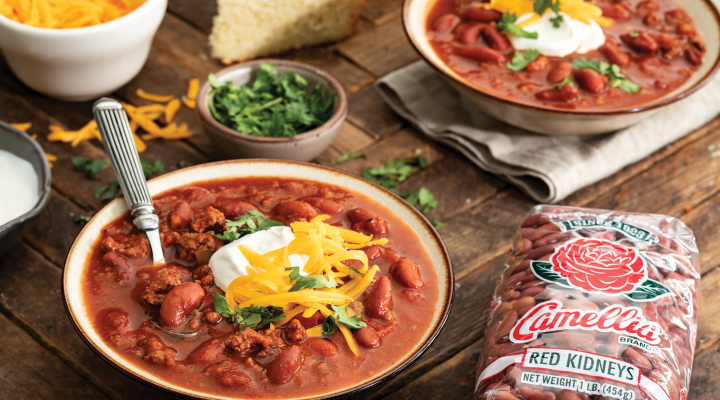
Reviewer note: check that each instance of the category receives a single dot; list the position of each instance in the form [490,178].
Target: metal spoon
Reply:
[118,140]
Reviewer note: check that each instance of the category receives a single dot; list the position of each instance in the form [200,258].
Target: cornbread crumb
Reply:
[245,29]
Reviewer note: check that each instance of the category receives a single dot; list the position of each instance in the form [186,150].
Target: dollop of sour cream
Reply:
[229,263]
[572,36]
[18,187]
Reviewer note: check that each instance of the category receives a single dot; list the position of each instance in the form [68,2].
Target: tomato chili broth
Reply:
[404,351]
[419,16]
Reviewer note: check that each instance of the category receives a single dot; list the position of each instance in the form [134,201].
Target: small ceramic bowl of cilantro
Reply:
[272,109]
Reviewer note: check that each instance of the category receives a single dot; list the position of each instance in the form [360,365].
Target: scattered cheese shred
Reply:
[315,331]
[268,283]
[51,159]
[158,98]
[171,110]
[66,14]
[580,10]
[189,103]
[193,88]
[22,126]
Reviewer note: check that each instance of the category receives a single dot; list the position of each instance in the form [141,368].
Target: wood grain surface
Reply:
[41,355]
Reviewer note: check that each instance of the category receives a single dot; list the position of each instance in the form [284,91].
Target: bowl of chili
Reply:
[221,348]
[294,112]
[635,57]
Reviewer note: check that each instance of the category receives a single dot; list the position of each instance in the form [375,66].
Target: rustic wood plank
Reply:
[349,139]
[56,230]
[30,290]
[29,371]
[704,221]
[380,50]
[381,11]
[708,327]
[198,13]
[705,384]
[370,112]
[592,192]
[350,76]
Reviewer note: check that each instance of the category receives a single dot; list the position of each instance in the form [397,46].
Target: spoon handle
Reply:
[120,146]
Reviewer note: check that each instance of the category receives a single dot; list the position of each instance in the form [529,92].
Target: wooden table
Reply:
[41,356]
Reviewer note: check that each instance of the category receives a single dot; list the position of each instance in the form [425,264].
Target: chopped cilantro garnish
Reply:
[541,6]
[521,60]
[421,197]
[437,224]
[181,164]
[272,105]
[390,175]
[634,34]
[507,23]
[566,81]
[245,225]
[89,167]
[556,20]
[341,317]
[149,169]
[617,78]
[248,317]
[82,219]
[312,282]
[348,156]
[106,193]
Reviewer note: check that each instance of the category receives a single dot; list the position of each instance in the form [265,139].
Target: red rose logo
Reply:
[599,265]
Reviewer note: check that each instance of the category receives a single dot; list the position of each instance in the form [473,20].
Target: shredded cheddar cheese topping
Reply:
[327,246]
[66,14]
[580,10]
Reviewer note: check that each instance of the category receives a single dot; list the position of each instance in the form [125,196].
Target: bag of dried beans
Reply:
[593,305]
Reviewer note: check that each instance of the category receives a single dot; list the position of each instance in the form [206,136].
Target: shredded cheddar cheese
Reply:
[51,159]
[327,246]
[580,10]
[22,126]
[66,14]
[158,98]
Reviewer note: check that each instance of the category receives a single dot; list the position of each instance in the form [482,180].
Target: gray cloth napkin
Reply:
[546,168]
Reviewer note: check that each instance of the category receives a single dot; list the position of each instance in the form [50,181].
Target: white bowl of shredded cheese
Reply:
[79,64]
[25,184]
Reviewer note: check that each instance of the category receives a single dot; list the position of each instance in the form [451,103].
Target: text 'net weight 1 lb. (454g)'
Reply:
[593,305]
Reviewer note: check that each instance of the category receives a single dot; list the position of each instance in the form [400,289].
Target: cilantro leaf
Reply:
[245,225]
[426,199]
[341,317]
[566,81]
[221,305]
[82,219]
[248,317]
[295,274]
[422,162]
[106,193]
[312,282]
[348,156]
[437,224]
[507,23]
[328,327]
[540,6]
[89,167]
[357,271]
[521,60]
[617,78]
[149,169]
[556,20]
[634,34]
[272,105]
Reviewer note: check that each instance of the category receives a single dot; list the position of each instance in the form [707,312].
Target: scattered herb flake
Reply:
[566,81]
[248,317]
[521,60]
[181,164]
[106,193]
[149,169]
[634,34]
[312,282]
[348,156]
[89,167]
[437,224]
[341,317]
[507,23]
[617,78]
[245,225]
[82,219]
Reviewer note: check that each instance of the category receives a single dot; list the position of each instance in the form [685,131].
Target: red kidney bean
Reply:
[181,216]
[367,337]
[207,352]
[502,395]
[285,366]
[379,303]
[483,14]
[235,208]
[495,39]
[539,64]
[590,80]
[646,7]
[693,55]
[567,395]
[532,291]
[617,12]
[677,16]
[120,263]
[537,219]
[180,303]
[541,232]
[482,54]
[323,347]
[360,215]
[446,23]
[524,246]
[313,320]
[471,34]
[292,210]
[565,94]
[641,42]
[576,340]
[685,29]
[637,359]
[560,72]
[653,20]
[324,205]
[614,54]
[407,273]
[580,305]
[523,302]
[536,253]
[507,324]
[373,252]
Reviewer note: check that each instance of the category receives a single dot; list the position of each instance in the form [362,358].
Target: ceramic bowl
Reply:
[303,147]
[23,146]
[566,122]
[83,63]
[73,288]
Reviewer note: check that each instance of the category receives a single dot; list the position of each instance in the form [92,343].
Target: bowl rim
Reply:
[575,113]
[144,8]
[338,115]
[46,178]
[435,329]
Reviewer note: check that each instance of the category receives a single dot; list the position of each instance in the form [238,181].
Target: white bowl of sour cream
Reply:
[25,184]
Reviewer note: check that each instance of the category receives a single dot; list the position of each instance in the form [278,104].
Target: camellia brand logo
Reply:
[600,266]
[550,316]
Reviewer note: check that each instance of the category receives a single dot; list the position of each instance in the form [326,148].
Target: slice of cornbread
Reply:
[245,29]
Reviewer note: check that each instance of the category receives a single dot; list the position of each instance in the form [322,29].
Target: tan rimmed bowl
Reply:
[74,289]
[566,122]
[303,147]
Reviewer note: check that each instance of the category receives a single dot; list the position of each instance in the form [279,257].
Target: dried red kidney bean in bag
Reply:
[593,305]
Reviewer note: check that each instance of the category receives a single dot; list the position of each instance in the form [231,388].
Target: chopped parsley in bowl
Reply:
[273,105]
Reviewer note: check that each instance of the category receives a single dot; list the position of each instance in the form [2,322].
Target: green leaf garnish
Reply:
[437,224]
[295,274]
[634,34]
[245,225]
[617,78]
[221,305]
[507,23]
[521,60]
[556,21]
[89,167]
[566,81]
[272,106]
[248,317]
[348,156]
[106,193]
[312,282]
[341,317]
[426,199]
[541,6]
[149,169]
[82,219]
